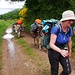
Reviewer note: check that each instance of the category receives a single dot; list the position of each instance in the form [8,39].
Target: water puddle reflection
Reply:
[8,36]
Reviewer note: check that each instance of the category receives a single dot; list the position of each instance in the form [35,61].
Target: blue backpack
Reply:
[47,26]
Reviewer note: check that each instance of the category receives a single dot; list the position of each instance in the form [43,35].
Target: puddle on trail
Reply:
[8,36]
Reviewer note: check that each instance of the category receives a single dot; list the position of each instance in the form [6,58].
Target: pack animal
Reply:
[36,33]
[17,29]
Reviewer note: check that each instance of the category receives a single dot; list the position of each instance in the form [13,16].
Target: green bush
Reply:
[73,43]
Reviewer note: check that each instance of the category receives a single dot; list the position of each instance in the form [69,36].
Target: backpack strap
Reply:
[59,26]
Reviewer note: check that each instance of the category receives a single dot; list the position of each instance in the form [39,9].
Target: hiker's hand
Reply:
[64,53]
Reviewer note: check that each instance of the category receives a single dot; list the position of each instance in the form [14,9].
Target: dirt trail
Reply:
[17,62]
[13,64]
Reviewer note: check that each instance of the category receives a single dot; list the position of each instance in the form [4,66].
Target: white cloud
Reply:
[6,6]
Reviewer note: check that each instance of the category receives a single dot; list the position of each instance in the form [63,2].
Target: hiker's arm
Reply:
[70,46]
[53,37]
[52,43]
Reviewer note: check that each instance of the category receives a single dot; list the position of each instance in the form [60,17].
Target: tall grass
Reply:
[3,26]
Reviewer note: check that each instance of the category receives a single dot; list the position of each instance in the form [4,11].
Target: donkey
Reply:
[17,29]
[37,37]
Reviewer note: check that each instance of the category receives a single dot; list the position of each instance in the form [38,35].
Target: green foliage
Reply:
[17,0]
[73,43]
[27,26]
[11,15]
[47,9]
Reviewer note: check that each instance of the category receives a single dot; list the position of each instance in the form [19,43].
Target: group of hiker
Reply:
[59,41]
[56,37]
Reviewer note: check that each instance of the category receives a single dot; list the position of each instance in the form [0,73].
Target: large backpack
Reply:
[48,24]
[35,29]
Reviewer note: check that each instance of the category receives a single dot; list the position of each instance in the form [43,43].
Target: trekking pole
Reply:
[67,63]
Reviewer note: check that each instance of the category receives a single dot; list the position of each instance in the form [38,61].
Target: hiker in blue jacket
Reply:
[61,36]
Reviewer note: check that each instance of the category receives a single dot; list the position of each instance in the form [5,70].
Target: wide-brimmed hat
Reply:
[68,15]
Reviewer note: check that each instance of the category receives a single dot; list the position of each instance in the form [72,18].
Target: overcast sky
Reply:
[6,6]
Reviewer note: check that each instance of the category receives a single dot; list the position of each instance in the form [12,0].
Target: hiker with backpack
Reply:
[59,38]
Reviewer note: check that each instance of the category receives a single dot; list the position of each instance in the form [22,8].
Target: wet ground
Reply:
[13,63]
[16,61]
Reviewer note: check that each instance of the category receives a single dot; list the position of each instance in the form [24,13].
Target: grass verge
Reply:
[3,26]
[26,47]
[35,58]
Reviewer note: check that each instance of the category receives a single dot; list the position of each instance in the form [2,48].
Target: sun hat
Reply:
[68,15]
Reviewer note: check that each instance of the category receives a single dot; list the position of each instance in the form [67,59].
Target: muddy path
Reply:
[13,61]
[17,62]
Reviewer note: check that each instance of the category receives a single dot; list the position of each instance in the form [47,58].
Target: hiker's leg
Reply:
[54,61]
[66,66]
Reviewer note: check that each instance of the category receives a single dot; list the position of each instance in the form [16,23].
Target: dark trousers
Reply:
[54,59]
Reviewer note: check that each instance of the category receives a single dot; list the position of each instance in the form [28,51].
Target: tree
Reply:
[17,0]
[46,9]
